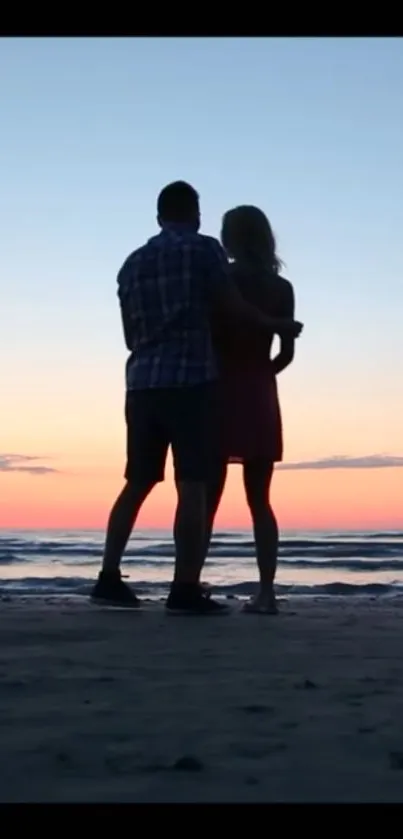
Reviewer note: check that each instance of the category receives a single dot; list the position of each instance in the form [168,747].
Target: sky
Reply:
[308,129]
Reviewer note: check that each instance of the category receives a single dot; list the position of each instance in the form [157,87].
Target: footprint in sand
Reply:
[396,760]
[307,684]
[256,709]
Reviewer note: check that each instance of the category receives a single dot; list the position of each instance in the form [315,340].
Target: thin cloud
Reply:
[24,463]
[29,463]
[371,461]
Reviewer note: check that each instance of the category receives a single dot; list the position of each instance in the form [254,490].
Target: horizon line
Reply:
[227,528]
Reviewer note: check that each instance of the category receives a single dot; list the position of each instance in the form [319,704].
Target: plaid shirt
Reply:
[164,289]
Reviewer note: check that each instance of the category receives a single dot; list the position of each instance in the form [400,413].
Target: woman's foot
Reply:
[263,604]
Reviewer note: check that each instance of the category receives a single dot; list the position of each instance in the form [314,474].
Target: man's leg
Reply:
[192,422]
[146,454]
[121,521]
[215,489]
[190,531]
[188,542]
[110,586]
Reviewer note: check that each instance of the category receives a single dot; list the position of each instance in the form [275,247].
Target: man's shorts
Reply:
[184,418]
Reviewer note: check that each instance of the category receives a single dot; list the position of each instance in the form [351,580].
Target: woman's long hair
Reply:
[248,238]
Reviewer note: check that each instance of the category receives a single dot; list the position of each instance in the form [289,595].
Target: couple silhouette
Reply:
[199,320]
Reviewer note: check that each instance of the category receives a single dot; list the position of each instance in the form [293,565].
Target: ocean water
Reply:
[314,563]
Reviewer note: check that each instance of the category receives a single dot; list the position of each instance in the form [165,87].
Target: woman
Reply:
[251,430]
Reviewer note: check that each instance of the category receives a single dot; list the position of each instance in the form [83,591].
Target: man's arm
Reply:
[287,342]
[225,297]
[126,323]
[123,281]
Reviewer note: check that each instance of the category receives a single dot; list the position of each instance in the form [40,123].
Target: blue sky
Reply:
[308,129]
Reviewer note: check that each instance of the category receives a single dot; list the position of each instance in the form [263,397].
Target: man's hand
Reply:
[287,338]
[225,297]
[289,328]
[228,299]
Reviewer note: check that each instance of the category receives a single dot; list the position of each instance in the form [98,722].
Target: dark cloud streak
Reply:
[371,461]
[22,463]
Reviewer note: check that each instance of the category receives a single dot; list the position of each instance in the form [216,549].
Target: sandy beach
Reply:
[105,705]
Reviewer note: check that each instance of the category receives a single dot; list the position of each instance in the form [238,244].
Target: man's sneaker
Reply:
[110,590]
[193,600]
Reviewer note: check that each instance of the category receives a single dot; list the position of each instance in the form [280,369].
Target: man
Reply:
[167,289]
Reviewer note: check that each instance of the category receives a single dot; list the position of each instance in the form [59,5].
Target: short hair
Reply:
[177,201]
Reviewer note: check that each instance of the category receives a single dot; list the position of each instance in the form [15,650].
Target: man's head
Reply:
[178,203]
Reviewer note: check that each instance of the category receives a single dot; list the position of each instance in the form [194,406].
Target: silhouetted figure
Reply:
[251,430]
[167,290]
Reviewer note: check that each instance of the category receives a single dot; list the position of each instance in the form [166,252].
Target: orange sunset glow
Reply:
[86,448]
[304,500]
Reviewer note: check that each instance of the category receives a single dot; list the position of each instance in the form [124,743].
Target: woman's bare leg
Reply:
[257,477]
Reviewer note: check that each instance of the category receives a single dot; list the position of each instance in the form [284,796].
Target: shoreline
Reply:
[99,704]
[76,591]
